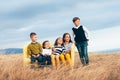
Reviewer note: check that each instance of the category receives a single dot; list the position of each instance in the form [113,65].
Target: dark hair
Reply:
[32,34]
[55,44]
[43,44]
[75,19]
[70,41]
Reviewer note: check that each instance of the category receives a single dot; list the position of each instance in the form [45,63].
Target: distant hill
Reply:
[20,50]
[11,51]
[110,50]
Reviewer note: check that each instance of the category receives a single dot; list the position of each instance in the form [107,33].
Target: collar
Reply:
[33,42]
[76,27]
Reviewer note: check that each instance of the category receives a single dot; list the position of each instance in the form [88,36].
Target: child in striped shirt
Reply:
[58,49]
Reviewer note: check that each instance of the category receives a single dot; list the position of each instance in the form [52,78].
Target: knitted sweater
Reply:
[34,48]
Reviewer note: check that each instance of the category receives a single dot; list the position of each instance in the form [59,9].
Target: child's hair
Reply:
[75,19]
[44,44]
[70,41]
[55,44]
[32,34]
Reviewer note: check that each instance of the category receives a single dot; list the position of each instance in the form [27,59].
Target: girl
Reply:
[58,50]
[68,44]
[47,51]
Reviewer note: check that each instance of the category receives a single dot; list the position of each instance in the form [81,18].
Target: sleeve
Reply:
[43,51]
[40,48]
[50,52]
[73,35]
[87,32]
[63,49]
[28,51]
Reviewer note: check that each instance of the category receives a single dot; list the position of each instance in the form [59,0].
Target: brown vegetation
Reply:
[102,67]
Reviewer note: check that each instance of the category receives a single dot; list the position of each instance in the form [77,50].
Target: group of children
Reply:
[46,54]
[60,52]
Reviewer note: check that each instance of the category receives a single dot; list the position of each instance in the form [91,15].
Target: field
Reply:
[102,67]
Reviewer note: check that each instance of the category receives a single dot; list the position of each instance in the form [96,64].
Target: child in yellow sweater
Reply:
[34,49]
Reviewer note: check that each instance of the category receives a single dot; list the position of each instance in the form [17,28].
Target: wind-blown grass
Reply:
[102,67]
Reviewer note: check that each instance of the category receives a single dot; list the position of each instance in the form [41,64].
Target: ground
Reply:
[102,67]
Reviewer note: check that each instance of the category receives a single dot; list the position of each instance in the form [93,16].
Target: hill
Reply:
[102,67]
[11,51]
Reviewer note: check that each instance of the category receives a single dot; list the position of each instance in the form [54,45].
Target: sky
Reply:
[51,19]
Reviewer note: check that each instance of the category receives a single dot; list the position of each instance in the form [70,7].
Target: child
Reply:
[34,49]
[81,34]
[47,51]
[57,51]
[67,44]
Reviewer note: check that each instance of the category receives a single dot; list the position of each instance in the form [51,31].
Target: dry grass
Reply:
[102,67]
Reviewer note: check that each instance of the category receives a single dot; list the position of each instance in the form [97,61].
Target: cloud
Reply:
[105,39]
[51,18]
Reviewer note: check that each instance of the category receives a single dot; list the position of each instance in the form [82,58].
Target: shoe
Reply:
[41,66]
[87,64]
[32,66]
[83,61]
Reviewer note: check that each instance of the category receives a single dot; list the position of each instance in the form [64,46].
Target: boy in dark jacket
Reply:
[81,37]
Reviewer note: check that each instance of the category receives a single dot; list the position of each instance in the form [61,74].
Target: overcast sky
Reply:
[51,18]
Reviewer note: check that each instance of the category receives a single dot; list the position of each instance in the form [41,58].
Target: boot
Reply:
[83,61]
[87,62]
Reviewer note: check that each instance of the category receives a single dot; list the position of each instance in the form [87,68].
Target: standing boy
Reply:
[34,49]
[81,34]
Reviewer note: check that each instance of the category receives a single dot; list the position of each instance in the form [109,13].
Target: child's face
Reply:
[60,41]
[77,23]
[47,45]
[67,38]
[34,38]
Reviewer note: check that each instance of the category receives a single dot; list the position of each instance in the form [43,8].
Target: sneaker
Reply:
[41,66]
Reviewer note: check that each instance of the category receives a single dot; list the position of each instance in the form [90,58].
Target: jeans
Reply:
[39,59]
[46,59]
[83,53]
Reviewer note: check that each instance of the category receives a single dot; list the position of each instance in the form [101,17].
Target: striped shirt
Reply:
[59,49]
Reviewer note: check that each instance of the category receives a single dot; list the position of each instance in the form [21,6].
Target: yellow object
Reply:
[55,60]
[68,58]
[72,53]
[62,58]
[34,48]
[26,57]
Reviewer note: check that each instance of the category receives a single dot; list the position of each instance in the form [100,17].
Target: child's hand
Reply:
[54,49]
[53,52]
[45,54]
[74,43]
[87,43]
[64,53]
[34,55]
[67,51]
[37,55]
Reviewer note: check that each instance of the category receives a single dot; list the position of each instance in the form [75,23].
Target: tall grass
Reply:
[102,67]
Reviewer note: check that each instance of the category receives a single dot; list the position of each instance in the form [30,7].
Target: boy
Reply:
[81,34]
[34,49]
